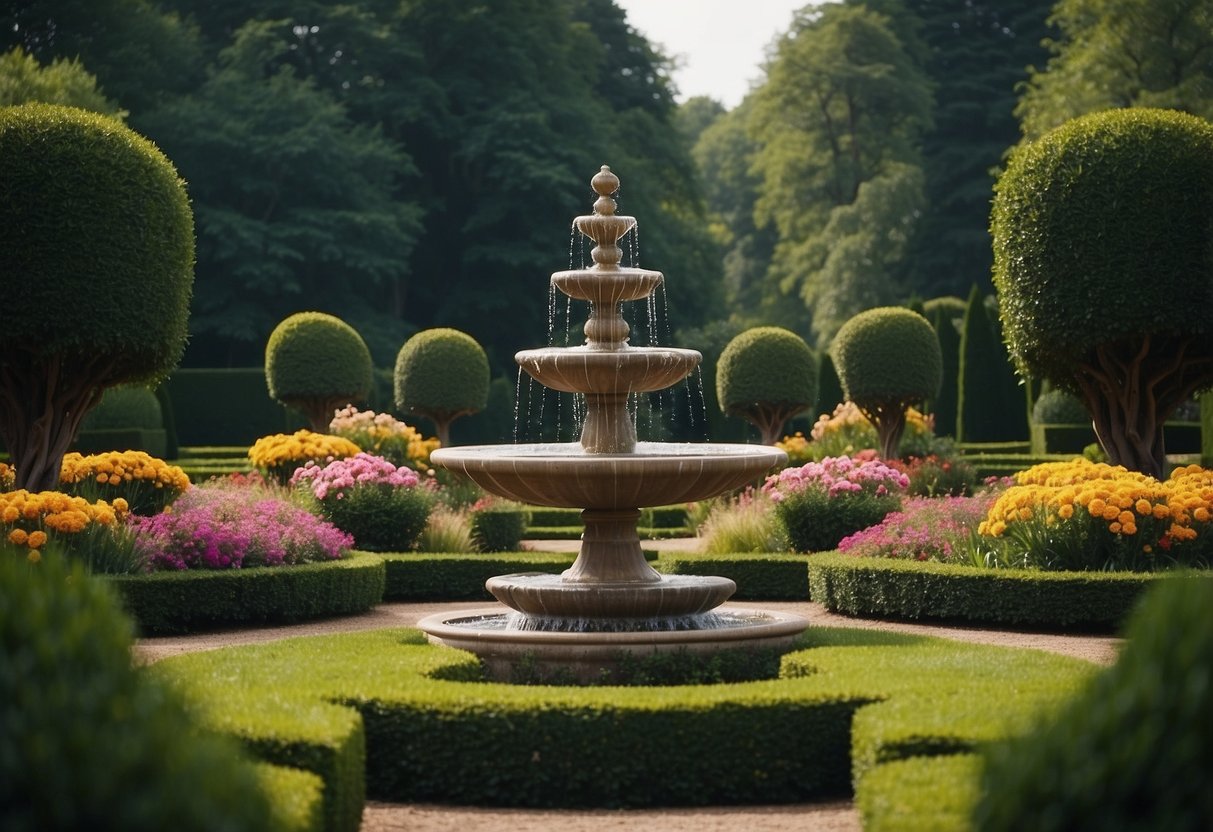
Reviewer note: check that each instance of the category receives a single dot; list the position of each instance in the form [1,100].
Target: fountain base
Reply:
[585,656]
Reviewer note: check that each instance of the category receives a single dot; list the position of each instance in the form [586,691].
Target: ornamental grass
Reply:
[1083,515]
[279,455]
[91,532]
[744,524]
[384,435]
[146,483]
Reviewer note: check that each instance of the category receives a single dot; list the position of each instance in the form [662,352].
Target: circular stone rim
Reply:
[783,624]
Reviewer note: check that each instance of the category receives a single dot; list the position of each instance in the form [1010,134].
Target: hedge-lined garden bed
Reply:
[435,734]
[890,588]
[171,602]
[759,577]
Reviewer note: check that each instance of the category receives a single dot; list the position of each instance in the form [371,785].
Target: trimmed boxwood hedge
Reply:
[164,603]
[296,797]
[759,577]
[880,587]
[434,733]
[920,794]
[425,576]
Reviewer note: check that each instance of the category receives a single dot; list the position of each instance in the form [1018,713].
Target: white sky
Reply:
[721,43]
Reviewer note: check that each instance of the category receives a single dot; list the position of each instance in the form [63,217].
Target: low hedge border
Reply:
[891,588]
[921,794]
[435,734]
[759,577]
[168,603]
[534,532]
[296,797]
[423,576]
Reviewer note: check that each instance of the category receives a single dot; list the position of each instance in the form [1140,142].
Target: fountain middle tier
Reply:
[588,369]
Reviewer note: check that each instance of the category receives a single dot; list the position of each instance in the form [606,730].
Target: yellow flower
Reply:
[1143,507]
[34,556]
[18,537]
[36,539]
[1065,511]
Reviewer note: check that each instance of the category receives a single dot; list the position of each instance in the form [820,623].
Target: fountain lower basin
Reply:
[585,655]
[561,474]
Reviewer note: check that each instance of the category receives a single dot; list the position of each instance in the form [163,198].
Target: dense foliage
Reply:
[400,165]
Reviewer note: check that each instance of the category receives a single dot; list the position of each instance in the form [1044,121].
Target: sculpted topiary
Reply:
[442,374]
[766,375]
[125,406]
[96,271]
[1103,262]
[317,364]
[888,359]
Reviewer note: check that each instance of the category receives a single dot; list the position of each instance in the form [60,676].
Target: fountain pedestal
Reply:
[610,601]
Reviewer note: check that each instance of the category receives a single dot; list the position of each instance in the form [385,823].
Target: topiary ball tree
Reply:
[442,374]
[317,364]
[888,359]
[1103,263]
[766,375]
[96,271]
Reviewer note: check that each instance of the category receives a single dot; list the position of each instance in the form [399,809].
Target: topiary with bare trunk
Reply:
[1103,262]
[441,374]
[317,364]
[888,359]
[96,271]
[766,375]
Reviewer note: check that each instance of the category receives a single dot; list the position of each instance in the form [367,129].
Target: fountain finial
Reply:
[606,184]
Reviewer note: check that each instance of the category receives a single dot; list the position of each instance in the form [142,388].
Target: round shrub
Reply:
[1103,250]
[499,527]
[887,359]
[1134,751]
[94,213]
[820,503]
[441,374]
[317,363]
[86,740]
[385,508]
[1057,407]
[125,407]
[766,375]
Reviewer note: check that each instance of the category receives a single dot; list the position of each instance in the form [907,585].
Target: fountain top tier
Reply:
[606,369]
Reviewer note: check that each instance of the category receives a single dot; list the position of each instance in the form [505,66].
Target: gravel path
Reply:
[826,817]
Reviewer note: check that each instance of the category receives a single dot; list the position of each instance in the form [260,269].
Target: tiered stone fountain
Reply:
[610,601]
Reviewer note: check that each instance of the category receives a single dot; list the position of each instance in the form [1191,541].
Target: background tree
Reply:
[66,82]
[96,265]
[1103,256]
[317,364]
[1122,53]
[766,375]
[839,121]
[441,374]
[947,321]
[888,360]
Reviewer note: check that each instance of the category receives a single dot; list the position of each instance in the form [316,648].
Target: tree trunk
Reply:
[42,402]
[889,419]
[1131,389]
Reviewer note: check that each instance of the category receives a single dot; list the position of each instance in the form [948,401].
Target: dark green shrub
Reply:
[1102,254]
[317,363]
[499,528]
[124,406]
[96,268]
[766,375]
[1057,407]
[946,321]
[815,522]
[442,374]
[86,740]
[382,518]
[1135,750]
[991,405]
[887,359]
[226,406]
